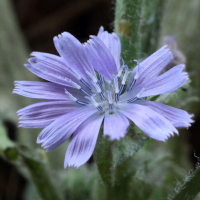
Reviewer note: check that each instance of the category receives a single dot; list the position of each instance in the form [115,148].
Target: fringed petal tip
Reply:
[17,83]
[64,35]
[20,125]
[164,50]
[16,87]
[166,137]
[92,41]
[60,36]
[89,41]
[164,47]
[14,91]
[168,51]
[42,143]
[38,141]
[36,53]
[71,165]
[187,123]
[101,30]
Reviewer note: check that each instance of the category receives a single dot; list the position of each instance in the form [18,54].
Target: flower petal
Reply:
[83,141]
[72,51]
[165,83]
[134,92]
[152,66]
[115,125]
[149,121]
[178,117]
[61,129]
[52,68]
[112,42]
[49,75]
[45,90]
[100,58]
[41,114]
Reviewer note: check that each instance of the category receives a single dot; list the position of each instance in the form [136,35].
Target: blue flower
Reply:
[87,85]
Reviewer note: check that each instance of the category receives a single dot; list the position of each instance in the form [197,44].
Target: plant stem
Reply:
[151,24]
[191,187]
[127,25]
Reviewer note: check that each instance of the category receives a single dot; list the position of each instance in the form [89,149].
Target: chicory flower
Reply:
[87,87]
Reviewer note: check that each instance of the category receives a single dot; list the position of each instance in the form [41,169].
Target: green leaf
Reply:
[4,141]
[190,188]
[127,146]
[21,156]
[103,157]
[109,154]
[41,178]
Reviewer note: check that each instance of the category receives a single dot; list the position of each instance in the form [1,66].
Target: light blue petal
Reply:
[178,117]
[72,51]
[100,58]
[149,121]
[49,75]
[83,141]
[62,128]
[115,125]
[166,83]
[152,66]
[51,67]
[41,114]
[112,42]
[45,90]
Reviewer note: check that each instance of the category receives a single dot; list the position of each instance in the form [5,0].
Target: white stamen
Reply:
[79,88]
[94,79]
[94,103]
[125,77]
[75,84]
[123,81]
[75,99]
[98,89]
[135,77]
[140,92]
[107,84]
[109,97]
[85,84]
[110,100]
[85,92]
[70,96]
[75,74]
[121,69]
[101,79]
[138,64]
[136,97]
[82,102]
[100,85]
[119,72]
[116,85]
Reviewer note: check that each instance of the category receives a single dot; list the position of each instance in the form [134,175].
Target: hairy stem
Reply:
[127,25]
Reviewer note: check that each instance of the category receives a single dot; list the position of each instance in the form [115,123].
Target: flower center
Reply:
[105,94]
